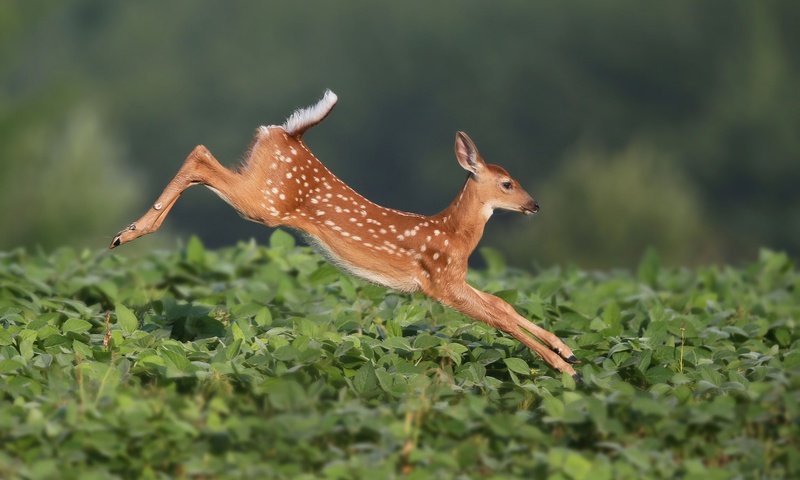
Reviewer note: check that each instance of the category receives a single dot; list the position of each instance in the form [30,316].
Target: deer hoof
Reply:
[578,378]
[571,359]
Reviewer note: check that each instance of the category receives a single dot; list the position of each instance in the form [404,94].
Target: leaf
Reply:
[495,263]
[658,375]
[75,325]
[620,347]
[365,380]
[649,267]
[325,274]
[175,359]
[783,336]
[399,343]
[425,341]
[571,463]
[577,467]
[553,407]
[195,252]
[792,360]
[233,349]
[8,366]
[26,339]
[5,337]
[517,365]
[612,319]
[237,332]
[509,295]
[82,349]
[549,288]
[109,289]
[385,379]
[153,360]
[567,381]
[281,240]
[126,319]
[453,351]
[264,317]
[644,360]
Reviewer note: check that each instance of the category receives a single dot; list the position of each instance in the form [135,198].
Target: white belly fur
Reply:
[401,284]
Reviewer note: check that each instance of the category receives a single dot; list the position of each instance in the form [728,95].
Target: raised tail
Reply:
[304,118]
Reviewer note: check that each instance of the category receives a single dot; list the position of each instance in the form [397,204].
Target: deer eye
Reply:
[507,185]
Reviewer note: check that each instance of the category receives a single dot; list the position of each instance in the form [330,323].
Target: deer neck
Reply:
[467,215]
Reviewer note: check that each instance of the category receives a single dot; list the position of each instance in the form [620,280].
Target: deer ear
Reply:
[467,154]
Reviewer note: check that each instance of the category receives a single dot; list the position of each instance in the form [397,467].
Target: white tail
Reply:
[305,118]
[282,183]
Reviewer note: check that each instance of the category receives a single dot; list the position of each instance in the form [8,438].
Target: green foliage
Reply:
[264,362]
[64,179]
[604,210]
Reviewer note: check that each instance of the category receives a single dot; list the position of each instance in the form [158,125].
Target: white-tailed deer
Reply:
[282,183]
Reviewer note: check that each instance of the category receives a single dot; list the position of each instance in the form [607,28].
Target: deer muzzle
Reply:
[530,208]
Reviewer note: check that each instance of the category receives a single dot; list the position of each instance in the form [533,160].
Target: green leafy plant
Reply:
[265,362]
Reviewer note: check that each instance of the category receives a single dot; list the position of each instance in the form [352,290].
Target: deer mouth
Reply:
[530,208]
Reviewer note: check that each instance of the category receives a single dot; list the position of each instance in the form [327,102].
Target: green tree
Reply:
[64,182]
[605,209]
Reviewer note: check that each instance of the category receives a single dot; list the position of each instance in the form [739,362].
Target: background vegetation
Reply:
[671,124]
[256,362]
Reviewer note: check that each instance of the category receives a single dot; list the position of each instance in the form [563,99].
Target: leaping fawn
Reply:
[282,183]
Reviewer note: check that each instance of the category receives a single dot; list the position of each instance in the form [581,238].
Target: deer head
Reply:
[493,185]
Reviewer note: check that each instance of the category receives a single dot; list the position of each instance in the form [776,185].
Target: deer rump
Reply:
[299,192]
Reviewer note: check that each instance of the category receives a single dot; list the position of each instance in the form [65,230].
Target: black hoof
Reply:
[571,359]
[578,378]
[115,243]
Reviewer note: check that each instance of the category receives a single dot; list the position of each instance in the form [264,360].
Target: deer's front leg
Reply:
[499,314]
[200,167]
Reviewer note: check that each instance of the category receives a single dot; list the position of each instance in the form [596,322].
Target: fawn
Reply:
[281,182]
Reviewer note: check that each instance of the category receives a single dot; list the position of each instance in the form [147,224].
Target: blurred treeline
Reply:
[671,124]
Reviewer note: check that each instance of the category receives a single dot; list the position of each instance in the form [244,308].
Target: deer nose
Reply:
[531,207]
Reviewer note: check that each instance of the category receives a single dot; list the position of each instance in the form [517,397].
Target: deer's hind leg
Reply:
[200,167]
